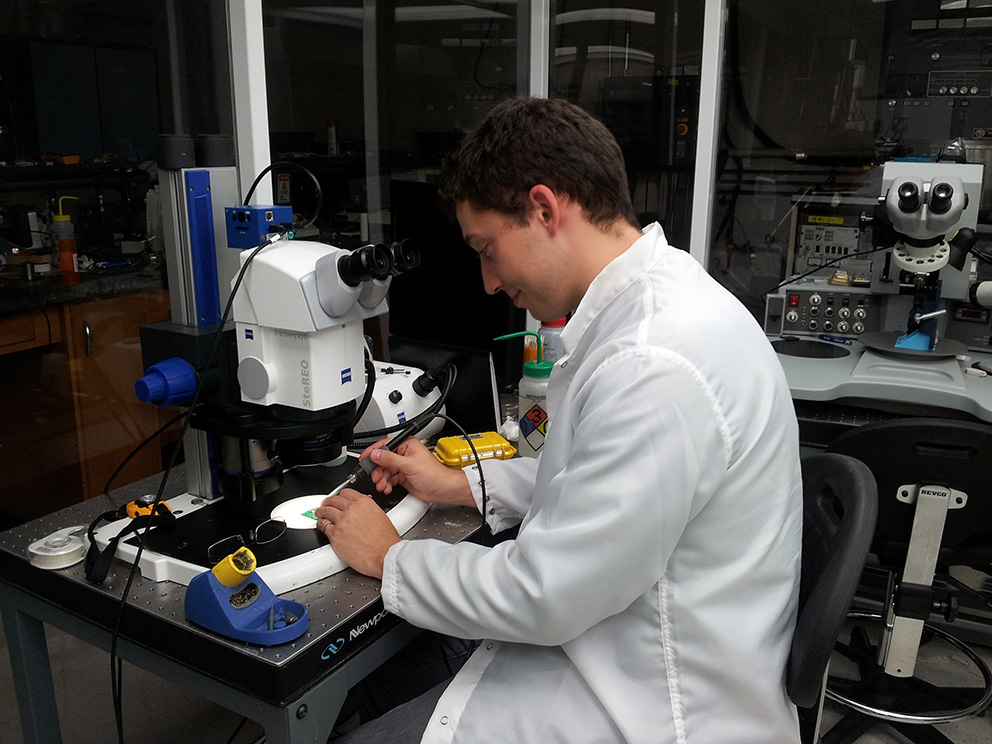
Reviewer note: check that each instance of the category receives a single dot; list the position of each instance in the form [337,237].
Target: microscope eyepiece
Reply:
[372,261]
[406,256]
[909,197]
[940,197]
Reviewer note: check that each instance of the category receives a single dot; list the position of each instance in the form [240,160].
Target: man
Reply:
[650,593]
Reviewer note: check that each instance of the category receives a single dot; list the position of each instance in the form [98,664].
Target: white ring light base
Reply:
[282,576]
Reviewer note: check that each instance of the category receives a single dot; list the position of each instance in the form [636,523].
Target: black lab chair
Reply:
[934,480]
[839,508]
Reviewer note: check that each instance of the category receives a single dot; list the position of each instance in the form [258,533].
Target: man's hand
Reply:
[415,468]
[359,530]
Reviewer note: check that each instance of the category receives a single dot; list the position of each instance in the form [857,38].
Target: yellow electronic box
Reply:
[455,452]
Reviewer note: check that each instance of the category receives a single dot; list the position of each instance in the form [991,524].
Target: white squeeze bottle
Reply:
[551,339]
[532,408]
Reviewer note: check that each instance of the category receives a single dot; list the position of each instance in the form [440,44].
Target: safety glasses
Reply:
[268,531]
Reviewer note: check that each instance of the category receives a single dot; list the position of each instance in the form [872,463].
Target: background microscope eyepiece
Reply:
[909,197]
[940,198]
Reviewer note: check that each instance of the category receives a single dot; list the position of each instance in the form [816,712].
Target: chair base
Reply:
[854,725]
[908,704]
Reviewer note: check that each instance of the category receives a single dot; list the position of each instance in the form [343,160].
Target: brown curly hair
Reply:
[528,141]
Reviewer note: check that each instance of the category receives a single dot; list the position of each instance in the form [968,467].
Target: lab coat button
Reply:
[444,720]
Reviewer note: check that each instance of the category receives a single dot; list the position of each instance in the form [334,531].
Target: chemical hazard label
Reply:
[534,427]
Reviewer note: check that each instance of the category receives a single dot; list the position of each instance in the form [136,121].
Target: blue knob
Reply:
[171,382]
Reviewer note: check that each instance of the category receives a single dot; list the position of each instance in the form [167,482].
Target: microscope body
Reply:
[922,210]
[291,350]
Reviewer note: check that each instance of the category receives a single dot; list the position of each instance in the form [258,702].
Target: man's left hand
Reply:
[359,530]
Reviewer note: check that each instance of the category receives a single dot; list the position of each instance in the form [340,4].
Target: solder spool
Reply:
[61,549]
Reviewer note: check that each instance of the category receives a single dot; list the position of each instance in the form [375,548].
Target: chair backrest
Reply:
[839,509]
[928,451]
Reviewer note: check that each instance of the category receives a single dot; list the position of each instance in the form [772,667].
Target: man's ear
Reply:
[545,207]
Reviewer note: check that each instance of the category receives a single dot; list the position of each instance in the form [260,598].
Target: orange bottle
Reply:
[65,234]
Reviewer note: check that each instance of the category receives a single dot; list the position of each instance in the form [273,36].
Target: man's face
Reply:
[518,260]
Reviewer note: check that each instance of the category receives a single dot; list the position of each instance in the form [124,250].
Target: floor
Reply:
[939,664]
[157,711]
[154,710]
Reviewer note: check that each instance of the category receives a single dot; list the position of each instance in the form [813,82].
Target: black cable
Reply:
[733,58]
[138,448]
[478,463]
[290,164]
[967,589]
[981,256]
[482,49]
[116,668]
[735,194]
[15,246]
[369,389]
[237,730]
[451,374]
[831,262]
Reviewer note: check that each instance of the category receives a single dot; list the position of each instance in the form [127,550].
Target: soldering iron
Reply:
[366,466]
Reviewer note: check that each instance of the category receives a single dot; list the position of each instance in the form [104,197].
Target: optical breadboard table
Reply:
[914,384]
[294,690]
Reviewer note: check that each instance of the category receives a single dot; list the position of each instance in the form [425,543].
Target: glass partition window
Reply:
[637,67]
[816,99]
[370,97]
[360,92]
[85,90]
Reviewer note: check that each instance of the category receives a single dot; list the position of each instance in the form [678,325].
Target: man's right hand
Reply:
[415,468]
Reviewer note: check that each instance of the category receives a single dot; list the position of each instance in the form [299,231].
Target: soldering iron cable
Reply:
[451,374]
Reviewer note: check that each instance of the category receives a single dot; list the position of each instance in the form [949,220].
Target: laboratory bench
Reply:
[294,689]
[837,386]
[127,274]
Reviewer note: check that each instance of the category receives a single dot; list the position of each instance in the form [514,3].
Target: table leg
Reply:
[32,672]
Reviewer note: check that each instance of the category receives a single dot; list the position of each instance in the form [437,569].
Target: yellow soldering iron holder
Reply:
[233,601]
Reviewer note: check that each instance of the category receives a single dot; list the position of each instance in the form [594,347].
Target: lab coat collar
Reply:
[618,275]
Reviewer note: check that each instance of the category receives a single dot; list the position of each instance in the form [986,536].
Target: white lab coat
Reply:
[651,592]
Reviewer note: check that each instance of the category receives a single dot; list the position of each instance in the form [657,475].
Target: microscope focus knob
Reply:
[171,382]
[940,198]
[909,197]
